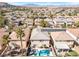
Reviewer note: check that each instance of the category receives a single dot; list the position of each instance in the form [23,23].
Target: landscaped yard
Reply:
[72,53]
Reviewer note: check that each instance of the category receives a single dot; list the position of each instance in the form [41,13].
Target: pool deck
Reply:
[53,53]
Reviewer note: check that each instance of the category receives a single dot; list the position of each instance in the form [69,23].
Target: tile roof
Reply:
[13,36]
[2,32]
[62,35]
[74,31]
[38,35]
[19,43]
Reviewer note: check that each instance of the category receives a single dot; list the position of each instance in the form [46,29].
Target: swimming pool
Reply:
[42,53]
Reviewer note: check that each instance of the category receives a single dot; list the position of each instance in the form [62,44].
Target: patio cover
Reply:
[61,45]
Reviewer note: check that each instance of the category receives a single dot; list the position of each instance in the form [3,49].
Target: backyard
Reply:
[72,53]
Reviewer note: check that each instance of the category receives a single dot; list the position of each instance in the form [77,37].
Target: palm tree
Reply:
[20,34]
[1,21]
[74,43]
[5,40]
[50,15]
[32,17]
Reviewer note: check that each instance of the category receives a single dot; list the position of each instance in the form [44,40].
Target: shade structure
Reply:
[61,45]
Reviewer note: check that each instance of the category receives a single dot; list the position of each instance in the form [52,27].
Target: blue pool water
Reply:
[42,53]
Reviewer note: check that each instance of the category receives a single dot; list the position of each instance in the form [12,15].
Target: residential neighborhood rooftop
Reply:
[38,35]
[74,31]
[39,30]
[61,36]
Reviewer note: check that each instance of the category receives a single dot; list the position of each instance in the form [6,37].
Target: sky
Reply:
[45,3]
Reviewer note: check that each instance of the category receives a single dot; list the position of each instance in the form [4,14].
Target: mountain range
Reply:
[4,4]
[59,4]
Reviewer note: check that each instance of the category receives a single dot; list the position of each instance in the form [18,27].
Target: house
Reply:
[39,38]
[37,21]
[14,40]
[50,22]
[25,40]
[15,43]
[62,36]
[62,20]
[29,22]
[62,41]
[74,32]
[61,48]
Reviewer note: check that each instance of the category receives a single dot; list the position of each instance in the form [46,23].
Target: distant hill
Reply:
[31,4]
[6,5]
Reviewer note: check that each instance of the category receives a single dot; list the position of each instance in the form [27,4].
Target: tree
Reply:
[64,25]
[43,23]
[77,24]
[20,34]
[6,22]
[50,15]
[32,17]
[20,23]
[10,26]
[69,14]
[1,21]
[72,13]
[5,40]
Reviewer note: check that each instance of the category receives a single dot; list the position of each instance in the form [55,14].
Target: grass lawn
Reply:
[72,53]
